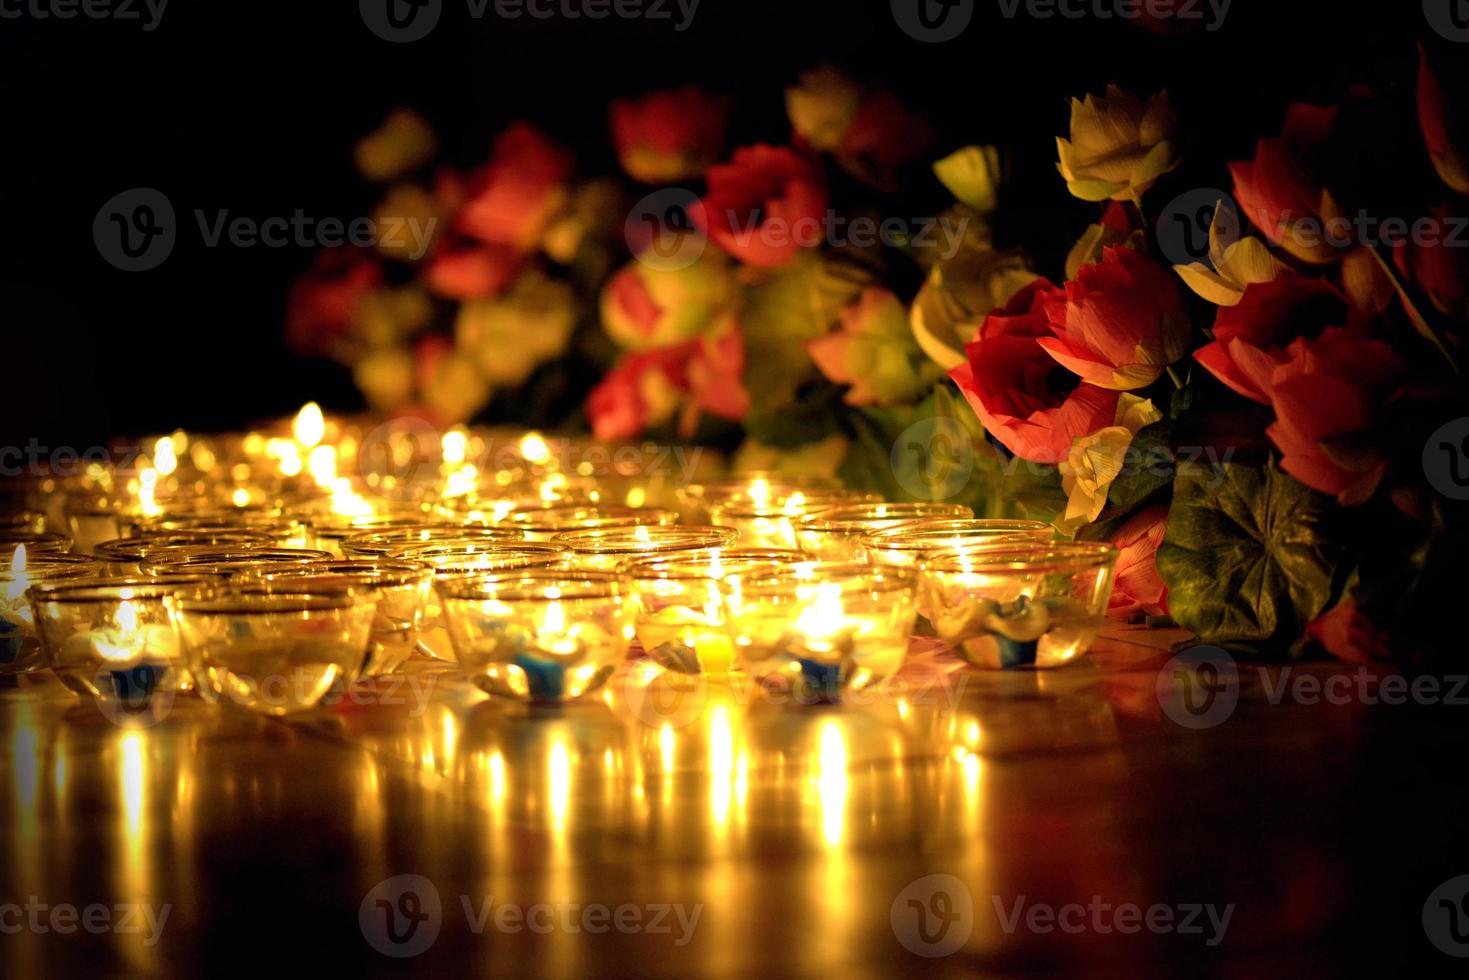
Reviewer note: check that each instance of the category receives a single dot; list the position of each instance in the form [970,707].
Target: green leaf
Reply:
[1032,491]
[1251,556]
[813,416]
[1149,467]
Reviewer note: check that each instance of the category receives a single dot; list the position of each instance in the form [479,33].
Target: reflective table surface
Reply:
[1130,815]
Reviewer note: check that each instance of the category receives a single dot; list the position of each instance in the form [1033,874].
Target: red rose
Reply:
[1349,635]
[1119,323]
[640,391]
[1436,262]
[668,136]
[1015,388]
[1250,338]
[321,303]
[1444,129]
[512,199]
[763,206]
[1278,191]
[472,270]
[1324,394]
[883,138]
[1138,587]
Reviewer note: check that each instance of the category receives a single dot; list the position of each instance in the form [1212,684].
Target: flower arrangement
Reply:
[1261,426]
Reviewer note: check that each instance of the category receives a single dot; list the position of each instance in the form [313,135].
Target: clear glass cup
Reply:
[275,653]
[771,523]
[678,613]
[541,635]
[115,640]
[1015,606]
[606,548]
[547,522]
[377,544]
[284,532]
[403,587]
[907,547]
[36,542]
[91,519]
[835,533]
[818,630]
[696,499]
[466,559]
[226,562]
[20,649]
[124,556]
[328,531]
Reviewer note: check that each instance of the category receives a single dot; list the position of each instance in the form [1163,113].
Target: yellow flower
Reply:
[822,106]
[385,378]
[1119,145]
[957,297]
[404,142]
[972,175]
[1236,264]
[407,220]
[1096,460]
[510,336]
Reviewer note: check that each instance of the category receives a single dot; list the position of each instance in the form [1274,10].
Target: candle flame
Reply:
[165,459]
[19,580]
[822,619]
[454,443]
[554,621]
[533,448]
[322,464]
[760,491]
[310,425]
[18,560]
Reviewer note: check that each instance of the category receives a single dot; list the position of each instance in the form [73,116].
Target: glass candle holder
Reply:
[379,544]
[678,613]
[547,522]
[835,533]
[283,532]
[696,499]
[770,523]
[1012,607]
[450,560]
[36,542]
[92,519]
[540,635]
[275,653]
[817,630]
[225,562]
[20,650]
[124,556]
[908,547]
[329,530]
[114,640]
[403,588]
[606,548]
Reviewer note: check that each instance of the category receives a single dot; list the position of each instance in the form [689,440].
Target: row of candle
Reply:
[537,586]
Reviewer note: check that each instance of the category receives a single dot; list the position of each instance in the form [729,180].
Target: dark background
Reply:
[254,108]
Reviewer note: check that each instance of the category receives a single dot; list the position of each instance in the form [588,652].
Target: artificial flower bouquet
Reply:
[1255,398]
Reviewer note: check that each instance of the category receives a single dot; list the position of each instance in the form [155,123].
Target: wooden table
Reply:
[804,837]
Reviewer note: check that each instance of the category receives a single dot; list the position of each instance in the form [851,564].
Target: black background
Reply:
[254,108]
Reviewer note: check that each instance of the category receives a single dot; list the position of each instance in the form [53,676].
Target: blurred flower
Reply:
[1326,394]
[822,107]
[1095,460]
[1139,589]
[1278,191]
[449,384]
[403,143]
[716,378]
[513,199]
[1347,634]
[1368,286]
[465,269]
[511,335]
[1117,227]
[884,137]
[1119,145]
[1437,263]
[1120,322]
[958,295]
[642,390]
[656,304]
[321,303]
[408,221]
[972,175]
[1443,129]
[665,137]
[874,352]
[1250,338]
[596,214]
[764,206]
[822,458]
[386,317]
[1236,265]
[1013,385]
[385,378]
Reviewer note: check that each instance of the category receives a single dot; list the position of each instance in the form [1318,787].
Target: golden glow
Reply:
[165,460]
[636,497]
[147,491]
[132,785]
[310,425]
[322,464]
[454,443]
[240,497]
[831,781]
[721,765]
[346,501]
[20,581]
[558,782]
[825,616]
[533,448]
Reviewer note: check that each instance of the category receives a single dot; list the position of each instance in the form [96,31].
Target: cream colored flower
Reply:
[404,142]
[1097,459]
[1237,264]
[822,106]
[972,175]
[957,297]
[1119,145]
